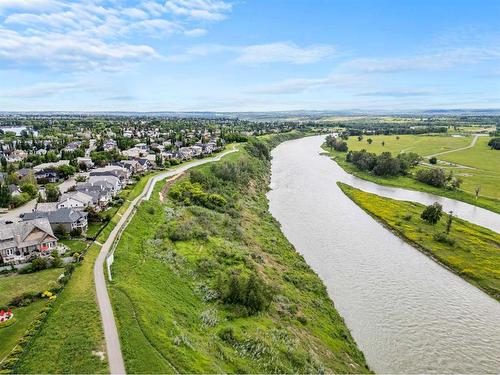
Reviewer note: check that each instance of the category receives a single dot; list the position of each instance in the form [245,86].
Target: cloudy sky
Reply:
[244,55]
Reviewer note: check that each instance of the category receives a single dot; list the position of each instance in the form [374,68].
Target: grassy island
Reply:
[204,281]
[469,250]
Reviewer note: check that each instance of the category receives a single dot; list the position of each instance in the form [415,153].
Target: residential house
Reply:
[75,200]
[110,144]
[113,170]
[87,162]
[14,190]
[111,182]
[54,165]
[26,240]
[65,218]
[101,194]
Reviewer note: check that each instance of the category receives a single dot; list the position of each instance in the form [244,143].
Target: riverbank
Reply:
[207,283]
[406,182]
[470,251]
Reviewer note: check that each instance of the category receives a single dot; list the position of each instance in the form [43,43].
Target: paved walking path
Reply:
[115,358]
[472,144]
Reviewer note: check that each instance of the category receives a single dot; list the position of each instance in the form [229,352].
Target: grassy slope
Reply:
[412,184]
[72,331]
[159,286]
[475,256]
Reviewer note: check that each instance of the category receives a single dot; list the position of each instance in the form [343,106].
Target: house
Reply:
[41,152]
[49,175]
[128,133]
[111,182]
[55,165]
[87,162]
[118,171]
[75,200]
[14,190]
[132,166]
[26,240]
[110,145]
[46,206]
[146,164]
[65,218]
[23,172]
[73,146]
[101,194]
[17,156]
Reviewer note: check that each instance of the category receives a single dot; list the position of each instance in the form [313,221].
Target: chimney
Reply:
[18,238]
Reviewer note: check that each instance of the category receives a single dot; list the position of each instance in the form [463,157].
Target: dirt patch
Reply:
[168,184]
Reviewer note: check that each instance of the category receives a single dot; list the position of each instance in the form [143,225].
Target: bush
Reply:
[39,264]
[433,177]
[227,334]
[258,149]
[432,214]
[77,232]
[443,238]
[433,160]
[249,292]
[336,144]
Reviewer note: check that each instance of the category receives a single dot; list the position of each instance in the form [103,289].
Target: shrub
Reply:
[249,292]
[39,264]
[258,149]
[432,213]
[407,217]
[443,238]
[433,160]
[227,334]
[76,232]
[433,177]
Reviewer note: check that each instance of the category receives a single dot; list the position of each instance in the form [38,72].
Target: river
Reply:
[407,313]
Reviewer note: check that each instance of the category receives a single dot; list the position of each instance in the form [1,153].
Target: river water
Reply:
[407,313]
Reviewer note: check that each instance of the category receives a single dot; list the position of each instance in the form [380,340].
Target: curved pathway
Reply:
[115,358]
[472,144]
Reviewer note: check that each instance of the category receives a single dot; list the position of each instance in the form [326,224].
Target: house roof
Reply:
[16,234]
[76,195]
[62,215]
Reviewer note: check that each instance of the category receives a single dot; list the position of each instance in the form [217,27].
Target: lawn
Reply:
[474,255]
[420,144]
[72,331]
[75,246]
[170,261]
[15,285]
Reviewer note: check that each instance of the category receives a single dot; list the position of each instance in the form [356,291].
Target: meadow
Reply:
[470,251]
[177,261]
[479,166]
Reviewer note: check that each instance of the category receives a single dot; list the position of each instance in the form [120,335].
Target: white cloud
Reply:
[433,61]
[208,10]
[298,85]
[42,90]
[95,34]
[284,52]
[279,52]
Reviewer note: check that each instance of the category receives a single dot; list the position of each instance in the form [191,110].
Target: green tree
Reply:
[52,193]
[432,214]
[4,196]
[369,140]
[449,222]
[433,160]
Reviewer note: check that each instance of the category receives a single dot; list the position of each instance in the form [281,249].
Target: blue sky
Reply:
[248,55]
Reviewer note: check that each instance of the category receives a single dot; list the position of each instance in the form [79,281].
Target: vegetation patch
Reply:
[201,288]
[471,251]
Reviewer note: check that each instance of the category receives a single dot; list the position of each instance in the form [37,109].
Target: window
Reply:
[10,252]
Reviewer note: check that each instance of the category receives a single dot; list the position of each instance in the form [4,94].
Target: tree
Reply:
[3,160]
[39,264]
[52,193]
[432,214]
[433,177]
[449,222]
[5,195]
[477,190]
[494,143]
[369,140]
[360,138]
[383,143]
[433,160]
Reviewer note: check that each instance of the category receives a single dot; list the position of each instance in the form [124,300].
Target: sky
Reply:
[249,55]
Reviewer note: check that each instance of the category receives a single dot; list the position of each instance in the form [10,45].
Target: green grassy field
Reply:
[15,285]
[170,261]
[475,254]
[486,199]
[421,144]
[72,331]
[9,336]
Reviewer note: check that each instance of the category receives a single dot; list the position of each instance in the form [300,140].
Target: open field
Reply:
[421,144]
[474,253]
[169,267]
[487,177]
[72,330]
